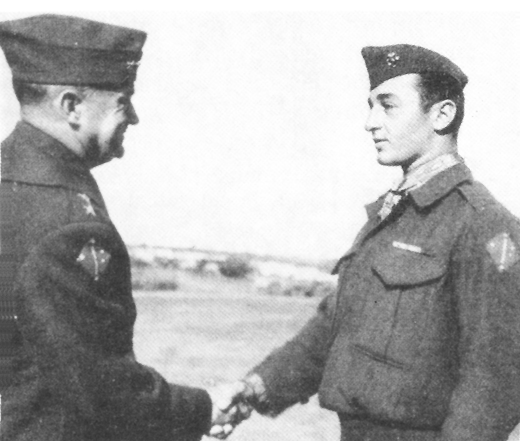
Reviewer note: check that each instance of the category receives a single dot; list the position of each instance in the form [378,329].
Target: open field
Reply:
[215,329]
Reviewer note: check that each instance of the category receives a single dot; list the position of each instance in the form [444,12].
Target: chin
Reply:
[119,153]
[387,161]
[116,151]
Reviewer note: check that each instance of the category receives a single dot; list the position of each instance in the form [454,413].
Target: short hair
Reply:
[435,87]
[33,94]
[29,93]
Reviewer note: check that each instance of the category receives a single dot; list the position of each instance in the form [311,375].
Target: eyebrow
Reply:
[381,97]
[126,91]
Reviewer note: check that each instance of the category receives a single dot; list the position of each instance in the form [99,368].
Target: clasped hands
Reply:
[231,406]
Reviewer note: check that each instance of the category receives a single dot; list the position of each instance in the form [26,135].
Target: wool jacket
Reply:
[75,374]
[423,331]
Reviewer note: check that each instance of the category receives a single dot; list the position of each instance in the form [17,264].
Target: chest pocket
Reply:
[401,268]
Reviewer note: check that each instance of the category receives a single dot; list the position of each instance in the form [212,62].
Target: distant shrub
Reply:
[154,279]
[322,289]
[201,266]
[235,267]
[137,262]
[299,288]
[207,267]
[166,262]
[165,285]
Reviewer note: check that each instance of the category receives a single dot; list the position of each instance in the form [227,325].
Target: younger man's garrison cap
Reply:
[386,62]
[57,49]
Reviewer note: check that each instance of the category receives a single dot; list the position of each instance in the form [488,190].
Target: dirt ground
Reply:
[212,329]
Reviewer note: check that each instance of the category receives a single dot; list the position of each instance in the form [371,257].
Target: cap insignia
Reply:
[132,65]
[392,58]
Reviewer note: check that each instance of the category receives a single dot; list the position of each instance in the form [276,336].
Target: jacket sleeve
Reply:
[78,327]
[485,405]
[293,372]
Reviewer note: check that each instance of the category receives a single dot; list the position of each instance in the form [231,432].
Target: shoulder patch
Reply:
[93,259]
[503,251]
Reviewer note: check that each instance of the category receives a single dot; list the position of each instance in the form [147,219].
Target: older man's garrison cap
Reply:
[57,49]
[386,62]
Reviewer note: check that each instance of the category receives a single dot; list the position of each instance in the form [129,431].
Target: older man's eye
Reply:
[123,103]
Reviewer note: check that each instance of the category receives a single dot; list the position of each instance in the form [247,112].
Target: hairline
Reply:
[51,91]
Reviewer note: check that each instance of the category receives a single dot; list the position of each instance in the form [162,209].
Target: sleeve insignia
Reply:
[503,251]
[93,259]
[87,204]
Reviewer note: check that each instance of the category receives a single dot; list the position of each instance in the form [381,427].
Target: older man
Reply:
[422,339]
[67,366]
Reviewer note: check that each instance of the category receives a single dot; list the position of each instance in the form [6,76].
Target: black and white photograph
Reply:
[259,224]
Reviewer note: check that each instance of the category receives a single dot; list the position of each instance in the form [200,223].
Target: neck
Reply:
[59,130]
[443,146]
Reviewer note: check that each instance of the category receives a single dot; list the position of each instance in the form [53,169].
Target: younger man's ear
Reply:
[443,114]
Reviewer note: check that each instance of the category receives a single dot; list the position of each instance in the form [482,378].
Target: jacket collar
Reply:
[31,156]
[440,185]
[434,189]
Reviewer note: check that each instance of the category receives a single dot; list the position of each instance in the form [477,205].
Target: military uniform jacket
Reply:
[424,330]
[76,377]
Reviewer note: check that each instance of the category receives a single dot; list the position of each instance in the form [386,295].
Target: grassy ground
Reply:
[212,329]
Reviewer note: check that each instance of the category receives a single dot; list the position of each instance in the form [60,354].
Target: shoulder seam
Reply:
[478,200]
[56,231]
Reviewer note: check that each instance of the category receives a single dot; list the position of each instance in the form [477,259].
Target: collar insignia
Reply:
[88,207]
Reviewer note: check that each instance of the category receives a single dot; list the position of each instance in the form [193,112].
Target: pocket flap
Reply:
[401,267]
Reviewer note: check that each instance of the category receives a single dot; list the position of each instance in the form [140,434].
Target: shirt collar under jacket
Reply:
[431,191]
[416,177]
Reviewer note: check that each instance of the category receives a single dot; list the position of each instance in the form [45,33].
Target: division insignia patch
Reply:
[93,259]
[503,251]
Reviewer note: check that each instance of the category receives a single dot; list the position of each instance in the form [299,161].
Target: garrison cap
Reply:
[386,62]
[58,49]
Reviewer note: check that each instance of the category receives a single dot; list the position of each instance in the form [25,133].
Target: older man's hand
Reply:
[230,408]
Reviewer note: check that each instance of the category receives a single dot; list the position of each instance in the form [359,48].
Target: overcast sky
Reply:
[251,135]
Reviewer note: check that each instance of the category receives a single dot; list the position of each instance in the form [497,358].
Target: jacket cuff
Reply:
[192,408]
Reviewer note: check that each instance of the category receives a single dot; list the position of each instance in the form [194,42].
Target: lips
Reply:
[379,143]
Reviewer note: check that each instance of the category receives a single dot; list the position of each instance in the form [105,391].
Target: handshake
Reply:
[233,403]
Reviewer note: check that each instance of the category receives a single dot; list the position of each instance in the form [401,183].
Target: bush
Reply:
[235,267]
[299,288]
[154,279]
[137,262]
[165,262]
[322,289]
